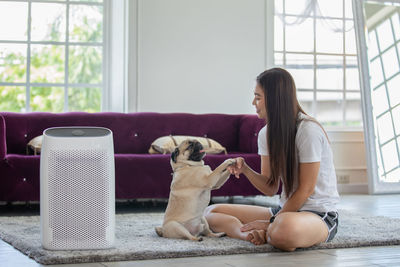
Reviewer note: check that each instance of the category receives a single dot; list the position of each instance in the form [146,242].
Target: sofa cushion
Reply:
[167,144]
[35,145]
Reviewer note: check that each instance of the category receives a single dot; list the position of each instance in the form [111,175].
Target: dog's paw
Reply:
[227,163]
[159,231]
[230,162]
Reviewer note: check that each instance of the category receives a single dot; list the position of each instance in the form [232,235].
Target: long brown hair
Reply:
[282,118]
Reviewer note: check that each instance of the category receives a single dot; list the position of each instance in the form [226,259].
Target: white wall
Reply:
[199,56]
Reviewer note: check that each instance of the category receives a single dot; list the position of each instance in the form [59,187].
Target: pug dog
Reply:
[190,193]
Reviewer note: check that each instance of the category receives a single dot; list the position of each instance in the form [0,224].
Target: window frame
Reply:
[66,44]
[344,91]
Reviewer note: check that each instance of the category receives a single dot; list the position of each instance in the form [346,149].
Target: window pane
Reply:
[301,68]
[373,50]
[376,69]
[329,36]
[306,101]
[385,35]
[13,62]
[348,5]
[394,90]
[84,99]
[278,38]
[379,100]
[12,98]
[393,176]
[350,38]
[353,109]
[396,119]
[396,25]
[302,77]
[48,22]
[390,62]
[86,23]
[352,75]
[385,128]
[85,64]
[300,37]
[278,6]
[329,72]
[49,99]
[331,8]
[295,7]
[329,108]
[47,63]
[15,14]
[278,59]
[390,156]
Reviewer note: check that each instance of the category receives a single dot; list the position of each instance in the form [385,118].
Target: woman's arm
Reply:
[259,181]
[308,174]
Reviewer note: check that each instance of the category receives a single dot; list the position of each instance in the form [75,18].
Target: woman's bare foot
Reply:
[257,237]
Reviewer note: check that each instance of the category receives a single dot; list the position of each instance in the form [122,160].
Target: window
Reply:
[51,55]
[315,42]
[383,53]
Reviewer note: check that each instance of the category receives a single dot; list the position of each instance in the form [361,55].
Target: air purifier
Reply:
[77,188]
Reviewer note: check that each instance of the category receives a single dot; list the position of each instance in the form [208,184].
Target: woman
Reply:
[295,152]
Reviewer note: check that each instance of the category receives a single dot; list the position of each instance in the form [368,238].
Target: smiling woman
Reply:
[52,61]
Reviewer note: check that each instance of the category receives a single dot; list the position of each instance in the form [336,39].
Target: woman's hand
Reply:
[255,225]
[237,168]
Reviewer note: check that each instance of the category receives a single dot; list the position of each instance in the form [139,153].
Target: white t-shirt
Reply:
[312,146]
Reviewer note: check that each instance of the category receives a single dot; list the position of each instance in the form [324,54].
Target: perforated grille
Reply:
[79,191]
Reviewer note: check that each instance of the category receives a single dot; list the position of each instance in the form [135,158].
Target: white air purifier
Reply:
[77,188]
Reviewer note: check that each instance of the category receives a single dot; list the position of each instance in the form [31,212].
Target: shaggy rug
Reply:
[137,240]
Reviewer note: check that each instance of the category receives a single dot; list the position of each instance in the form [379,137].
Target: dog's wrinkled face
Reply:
[188,150]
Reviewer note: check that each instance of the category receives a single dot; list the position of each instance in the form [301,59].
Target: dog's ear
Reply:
[175,154]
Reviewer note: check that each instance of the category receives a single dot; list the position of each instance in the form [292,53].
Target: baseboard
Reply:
[356,188]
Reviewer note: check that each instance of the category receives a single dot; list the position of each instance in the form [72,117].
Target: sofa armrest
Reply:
[3,144]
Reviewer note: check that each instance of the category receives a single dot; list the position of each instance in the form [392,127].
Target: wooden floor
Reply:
[384,205]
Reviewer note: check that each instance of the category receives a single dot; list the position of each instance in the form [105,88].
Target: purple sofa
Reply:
[138,174]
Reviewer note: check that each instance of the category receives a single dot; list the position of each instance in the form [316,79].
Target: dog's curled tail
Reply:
[159,231]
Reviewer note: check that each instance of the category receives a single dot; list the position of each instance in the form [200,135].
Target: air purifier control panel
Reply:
[77,132]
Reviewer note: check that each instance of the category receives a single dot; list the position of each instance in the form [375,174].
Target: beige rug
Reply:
[137,240]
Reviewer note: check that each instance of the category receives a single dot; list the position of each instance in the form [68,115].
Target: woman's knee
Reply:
[283,232]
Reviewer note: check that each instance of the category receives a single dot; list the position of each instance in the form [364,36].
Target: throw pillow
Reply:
[35,145]
[167,144]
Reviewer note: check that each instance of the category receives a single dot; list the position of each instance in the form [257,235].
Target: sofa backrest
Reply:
[250,125]
[134,132]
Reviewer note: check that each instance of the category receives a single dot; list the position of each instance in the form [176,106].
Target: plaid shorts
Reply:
[331,219]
